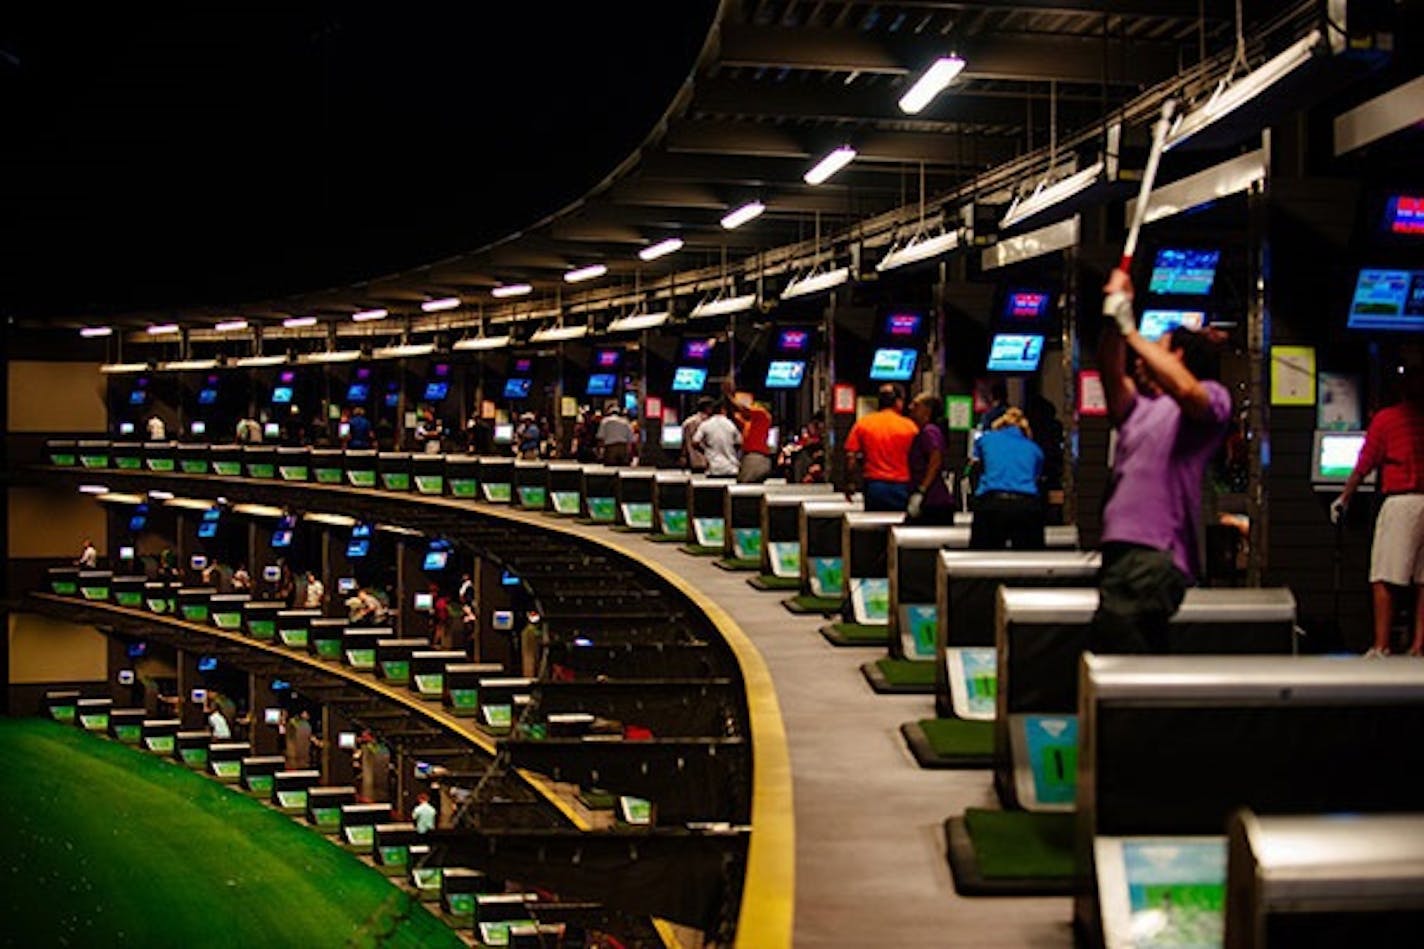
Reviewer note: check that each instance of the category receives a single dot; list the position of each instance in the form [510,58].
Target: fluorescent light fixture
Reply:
[403,351]
[940,74]
[832,163]
[258,510]
[246,361]
[724,305]
[332,520]
[816,283]
[638,321]
[661,249]
[299,322]
[483,342]
[918,249]
[90,332]
[116,367]
[182,364]
[93,489]
[444,303]
[743,214]
[511,290]
[557,334]
[1227,99]
[1045,197]
[161,495]
[192,504]
[162,329]
[333,355]
[366,316]
[231,326]
[580,274]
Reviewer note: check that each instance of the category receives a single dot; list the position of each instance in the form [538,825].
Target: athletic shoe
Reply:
[1374,652]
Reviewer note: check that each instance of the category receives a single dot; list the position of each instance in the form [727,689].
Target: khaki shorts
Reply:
[1398,553]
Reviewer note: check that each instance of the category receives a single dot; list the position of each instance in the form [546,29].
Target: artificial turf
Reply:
[1019,844]
[106,845]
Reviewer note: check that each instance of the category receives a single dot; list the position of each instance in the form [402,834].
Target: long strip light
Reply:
[834,161]
[580,274]
[482,343]
[162,329]
[299,322]
[736,218]
[182,364]
[333,355]
[331,520]
[918,249]
[117,367]
[511,290]
[405,350]
[246,361]
[366,316]
[940,74]
[93,489]
[722,306]
[816,283]
[1045,197]
[558,334]
[258,510]
[92,332]
[638,321]
[230,326]
[661,249]
[444,303]
[1227,99]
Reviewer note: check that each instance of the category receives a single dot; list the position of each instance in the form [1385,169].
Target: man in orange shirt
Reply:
[878,450]
[755,422]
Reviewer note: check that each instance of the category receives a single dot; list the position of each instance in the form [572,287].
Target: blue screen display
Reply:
[1015,352]
[893,365]
[357,549]
[785,373]
[358,392]
[1389,300]
[282,395]
[207,663]
[1180,271]
[516,388]
[689,379]
[1158,323]
[207,396]
[436,391]
[601,383]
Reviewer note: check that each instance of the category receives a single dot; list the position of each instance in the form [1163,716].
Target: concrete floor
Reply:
[870,865]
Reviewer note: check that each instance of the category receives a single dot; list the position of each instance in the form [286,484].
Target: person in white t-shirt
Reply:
[315,592]
[217,723]
[157,431]
[89,556]
[720,440]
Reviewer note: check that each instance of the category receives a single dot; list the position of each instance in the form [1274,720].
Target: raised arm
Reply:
[1118,386]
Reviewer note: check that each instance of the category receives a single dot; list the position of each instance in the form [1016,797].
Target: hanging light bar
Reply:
[940,74]
[1044,198]
[246,361]
[661,249]
[231,326]
[404,351]
[580,274]
[117,367]
[558,334]
[333,355]
[743,214]
[511,290]
[436,306]
[918,249]
[366,316]
[162,329]
[299,322]
[183,364]
[482,342]
[92,332]
[724,305]
[832,163]
[638,321]
[1227,99]
[816,283]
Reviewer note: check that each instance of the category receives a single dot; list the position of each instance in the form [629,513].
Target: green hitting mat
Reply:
[950,742]
[900,676]
[825,605]
[856,634]
[768,581]
[1011,853]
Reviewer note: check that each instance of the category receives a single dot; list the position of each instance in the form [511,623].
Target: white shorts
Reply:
[1398,553]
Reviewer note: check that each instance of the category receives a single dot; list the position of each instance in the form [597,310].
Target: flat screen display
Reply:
[271,430]
[436,560]
[198,428]
[1158,323]
[508,578]
[1388,300]
[1183,271]
[346,585]
[208,529]
[523,365]
[358,392]
[785,373]
[271,716]
[607,358]
[138,397]
[1027,306]
[697,350]
[793,341]
[346,740]
[1335,456]
[517,388]
[436,391]
[126,553]
[893,365]
[207,396]
[358,548]
[138,522]
[903,325]
[282,537]
[392,399]
[440,370]
[424,602]
[271,573]
[601,383]
[287,377]
[198,561]
[281,395]
[207,663]
[1404,214]
[137,650]
[1015,352]
[504,433]
[126,428]
[671,436]
[689,379]
[361,530]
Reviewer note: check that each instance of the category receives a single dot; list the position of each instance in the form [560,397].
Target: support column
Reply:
[1258,344]
[264,737]
[190,715]
[1071,361]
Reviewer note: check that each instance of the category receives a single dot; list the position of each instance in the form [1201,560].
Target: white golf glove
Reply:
[1118,307]
[1337,509]
[916,502]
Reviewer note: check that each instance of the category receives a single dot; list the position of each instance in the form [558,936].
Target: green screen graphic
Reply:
[1176,891]
[194,466]
[785,558]
[426,879]
[923,620]
[636,810]
[296,638]
[263,629]
[981,679]
[128,734]
[638,514]
[396,481]
[95,721]
[430,683]
[498,493]
[328,648]
[746,543]
[128,598]
[63,459]
[62,713]
[827,576]
[328,476]
[292,800]
[498,716]
[94,461]
[709,531]
[194,757]
[601,510]
[674,521]
[361,479]
[460,904]
[259,783]
[128,463]
[873,596]
[463,487]
[1052,742]
[261,470]
[465,701]
[361,658]
[95,593]
[497,934]
[394,855]
[228,469]
[64,587]
[534,498]
[395,670]
[227,620]
[227,770]
[293,472]
[159,744]
[195,612]
[159,604]
[326,816]
[430,484]
[361,835]
[160,464]
[565,502]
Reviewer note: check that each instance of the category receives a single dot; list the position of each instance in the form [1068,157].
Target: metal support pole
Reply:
[1071,361]
[1258,342]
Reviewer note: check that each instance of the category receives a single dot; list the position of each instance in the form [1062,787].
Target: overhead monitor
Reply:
[504,433]
[1389,301]
[1158,323]
[698,349]
[523,364]
[207,396]
[671,436]
[208,529]
[271,430]
[893,365]
[126,428]
[607,358]
[363,373]
[358,548]
[436,391]
[903,325]
[392,399]
[358,393]
[281,395]
[281,537]
[199,427]
[1026,306]
[689,379]
[1184,271]
[1334,455]
[517,388]
[137,650]
[508,578]
[785,373]
[198,696]
[1015,352]
[793,340]
[287,377]
[207,663]
[346,585]
[424,602]
[436,560]
[360,530]
[198,561]
[440,370]
[138,397]
[138,521]
[601,383]
[126,677]
[271,573]
[1404,214]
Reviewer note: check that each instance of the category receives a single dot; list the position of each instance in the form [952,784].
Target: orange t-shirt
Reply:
[884,439]
[756,430]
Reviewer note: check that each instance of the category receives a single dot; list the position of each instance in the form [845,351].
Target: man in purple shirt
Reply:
[1171,416]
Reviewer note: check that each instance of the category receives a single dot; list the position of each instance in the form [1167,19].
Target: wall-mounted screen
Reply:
[207,663]
[358,392]
[504,433]
[517,388]
[1335,454]
[689,379]
[1388,300]
[361,530]
[523,364]
[127,428]
[785,373]
[1015,352]
[281,537]
[671,436]
[424,602]
[697,350]
[138,397]
[601,383]
[126,552]
[345,585]
[287,377]
[607,358]
[436,391]
[198,428]
[1026,306]
[903,325]
[793,341]
[198,562]
[271,573]
[281,395]
[392,399]
[1404,214]
[436,560]
[1183,271]
[1158,323]
[358,548]
[271,430]
[207,396]
[893,365]
[508,578]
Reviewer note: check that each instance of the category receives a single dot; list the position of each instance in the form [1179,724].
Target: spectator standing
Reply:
[878,453]
[719,440]
[528,437]
[805,455]
[1394,444]
[358,430]
[218,725]
[314,597]
[423,814]
[241,580]
[693,457]
[297,741]
[157,431]
[249,431]
[615,437]
[931,503]
[998,403]
[755,421]
[88,555]
[429,431]
[1008,504]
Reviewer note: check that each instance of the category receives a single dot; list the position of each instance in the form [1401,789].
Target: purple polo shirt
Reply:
[929,440]
[1157,474]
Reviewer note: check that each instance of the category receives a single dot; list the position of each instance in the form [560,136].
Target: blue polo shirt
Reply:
[1012,462]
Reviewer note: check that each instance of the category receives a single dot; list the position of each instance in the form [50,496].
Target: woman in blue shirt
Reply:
[1008,509]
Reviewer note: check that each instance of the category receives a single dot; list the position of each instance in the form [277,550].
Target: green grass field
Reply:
[108,846]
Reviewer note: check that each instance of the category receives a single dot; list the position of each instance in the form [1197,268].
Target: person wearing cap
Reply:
[615,437]
[528,437]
